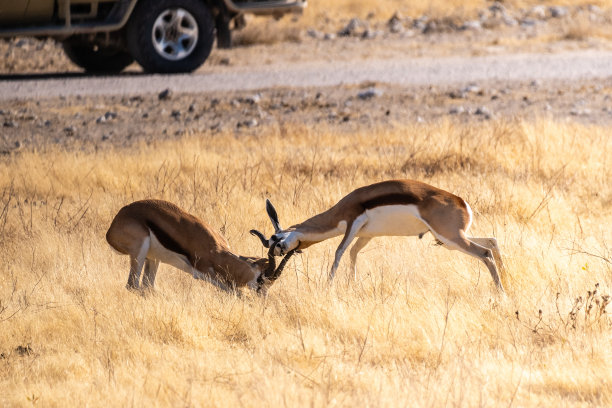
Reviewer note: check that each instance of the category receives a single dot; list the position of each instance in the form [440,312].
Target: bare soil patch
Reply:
[104,122]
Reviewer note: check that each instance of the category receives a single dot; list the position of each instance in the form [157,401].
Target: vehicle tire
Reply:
[97,59]
[170,36]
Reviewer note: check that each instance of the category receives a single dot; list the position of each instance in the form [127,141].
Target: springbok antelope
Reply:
[154,231]
[388,208]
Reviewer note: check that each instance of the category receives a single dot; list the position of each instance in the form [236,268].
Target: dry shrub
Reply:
[266,31]
[581,28]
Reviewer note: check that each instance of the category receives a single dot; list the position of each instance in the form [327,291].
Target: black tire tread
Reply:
[139,35]
[102,60]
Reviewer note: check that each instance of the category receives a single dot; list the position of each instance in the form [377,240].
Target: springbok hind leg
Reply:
[136,264]
[358,246]
[150,271]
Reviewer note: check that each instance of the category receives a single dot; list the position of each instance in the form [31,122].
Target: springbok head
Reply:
[282,241]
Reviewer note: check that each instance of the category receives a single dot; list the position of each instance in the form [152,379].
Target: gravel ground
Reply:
[100,122]
[359,75]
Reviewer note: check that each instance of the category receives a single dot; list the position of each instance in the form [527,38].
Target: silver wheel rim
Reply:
[175,34]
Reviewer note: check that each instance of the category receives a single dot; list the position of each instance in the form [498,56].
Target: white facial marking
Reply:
[393,220]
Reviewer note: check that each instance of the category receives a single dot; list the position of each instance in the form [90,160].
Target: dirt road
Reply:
[575,65]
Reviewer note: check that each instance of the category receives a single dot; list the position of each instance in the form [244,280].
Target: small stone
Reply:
[528,22]
[430,27]
[165,94]
[10,124]
[108,116]
[248,123]
[369,34]
[509,21]
[420,23]
[176,114]
[253,99]
[329,36]
[558,11]
[224,61]
[497,8]
[472,89]
[538,12]
[473,25]
[70,130]
[316,34]
[456,110]
[354,27]
[191,108]
[395,23]
[369,93]
[483,111]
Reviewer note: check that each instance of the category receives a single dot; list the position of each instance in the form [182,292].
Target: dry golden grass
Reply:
[421,327]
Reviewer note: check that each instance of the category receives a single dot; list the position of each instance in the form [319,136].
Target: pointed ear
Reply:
[273,216]
[261,236]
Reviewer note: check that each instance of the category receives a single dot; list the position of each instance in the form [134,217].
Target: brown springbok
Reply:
[388,208]
[154,231]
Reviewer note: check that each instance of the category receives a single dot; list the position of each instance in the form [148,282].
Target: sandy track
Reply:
[403,71]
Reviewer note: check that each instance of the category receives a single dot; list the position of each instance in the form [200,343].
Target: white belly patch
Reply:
[393,220]
[159,252]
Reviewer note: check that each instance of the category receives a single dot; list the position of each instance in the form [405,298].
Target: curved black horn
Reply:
[261,236]
[276,274]
[269,271]
[273,215]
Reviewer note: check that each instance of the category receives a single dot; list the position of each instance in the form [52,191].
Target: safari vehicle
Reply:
[161,35]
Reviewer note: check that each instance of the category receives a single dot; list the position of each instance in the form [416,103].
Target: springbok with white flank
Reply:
[388,208]
[154,231]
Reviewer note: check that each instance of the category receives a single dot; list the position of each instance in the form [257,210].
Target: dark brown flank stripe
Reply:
[167,241]
[390,199]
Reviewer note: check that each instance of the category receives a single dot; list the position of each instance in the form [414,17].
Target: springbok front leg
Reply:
[212,279]
[358,246]
[460,242]
[491,243]
[351,231]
